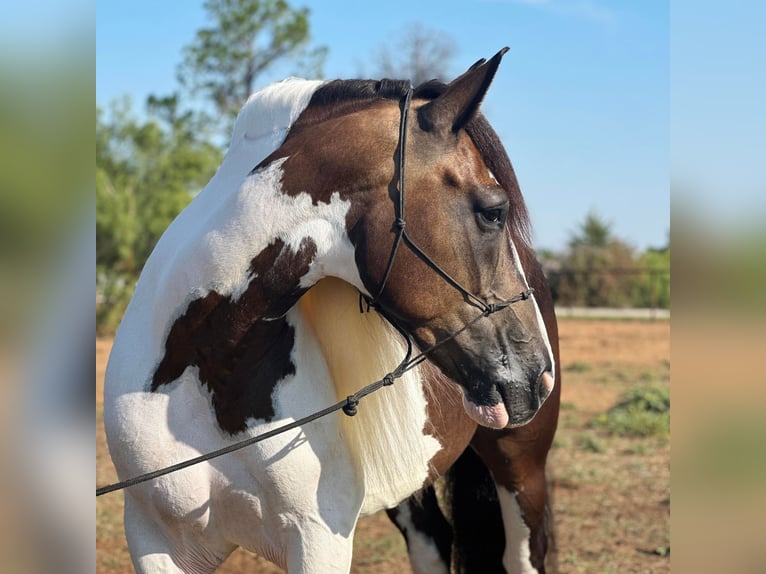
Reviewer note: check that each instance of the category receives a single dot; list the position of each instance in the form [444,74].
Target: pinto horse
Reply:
[247,316]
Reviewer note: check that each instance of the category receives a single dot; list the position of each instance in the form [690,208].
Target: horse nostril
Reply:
[545,385]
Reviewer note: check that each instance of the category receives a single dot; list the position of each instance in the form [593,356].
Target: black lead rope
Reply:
[350,404]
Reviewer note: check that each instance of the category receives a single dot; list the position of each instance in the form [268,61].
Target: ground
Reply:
[611,495]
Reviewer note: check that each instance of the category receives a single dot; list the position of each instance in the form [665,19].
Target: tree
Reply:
[247,37]
[593,232]
[652,287]
[598,270]
[418,54]
[146,173]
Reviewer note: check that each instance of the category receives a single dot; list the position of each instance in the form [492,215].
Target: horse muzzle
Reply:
[509,404]
[504,366]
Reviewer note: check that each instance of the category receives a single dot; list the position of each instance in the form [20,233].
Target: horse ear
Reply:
[457,105]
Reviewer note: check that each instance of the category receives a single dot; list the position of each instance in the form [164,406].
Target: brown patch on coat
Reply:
[516,457]
[447,420]
[344,153]
[241,348]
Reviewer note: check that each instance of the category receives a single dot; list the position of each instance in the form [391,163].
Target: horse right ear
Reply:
[453,109]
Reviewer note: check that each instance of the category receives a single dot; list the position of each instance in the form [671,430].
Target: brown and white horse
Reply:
[247,316]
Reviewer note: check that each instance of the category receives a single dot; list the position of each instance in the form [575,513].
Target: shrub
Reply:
[642,412]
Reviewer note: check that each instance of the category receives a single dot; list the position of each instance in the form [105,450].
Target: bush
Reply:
[642,412]
[113,293]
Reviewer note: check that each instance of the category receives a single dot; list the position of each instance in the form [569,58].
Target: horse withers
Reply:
[247,316]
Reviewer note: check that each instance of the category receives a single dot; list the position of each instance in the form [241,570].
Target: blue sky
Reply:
[581,101]
[718,127]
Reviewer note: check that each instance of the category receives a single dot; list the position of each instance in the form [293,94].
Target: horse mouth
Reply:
[514,408]
[494,416]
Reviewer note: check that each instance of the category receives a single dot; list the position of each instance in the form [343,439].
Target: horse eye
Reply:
[493,217]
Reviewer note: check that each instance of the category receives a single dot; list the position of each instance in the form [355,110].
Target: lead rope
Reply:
[350,404]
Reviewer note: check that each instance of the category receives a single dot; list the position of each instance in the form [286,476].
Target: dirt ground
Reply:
[611,495]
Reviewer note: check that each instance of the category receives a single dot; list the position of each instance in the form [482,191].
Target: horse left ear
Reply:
[453,109]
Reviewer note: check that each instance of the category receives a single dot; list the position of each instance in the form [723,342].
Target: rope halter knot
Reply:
[350,408]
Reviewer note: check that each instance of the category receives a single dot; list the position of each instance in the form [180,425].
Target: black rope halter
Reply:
[350,404]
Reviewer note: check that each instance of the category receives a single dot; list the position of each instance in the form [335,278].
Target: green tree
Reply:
[652,287]
[146,173]
[599,269]
[246,38]
[594,232]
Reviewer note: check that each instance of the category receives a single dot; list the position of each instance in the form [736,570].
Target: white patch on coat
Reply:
[192,257]
[540,322]
[516,557]
[269,113]
[423,553]
[294,498]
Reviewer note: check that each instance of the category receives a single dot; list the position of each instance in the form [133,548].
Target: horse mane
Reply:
[284,103]
[358,349]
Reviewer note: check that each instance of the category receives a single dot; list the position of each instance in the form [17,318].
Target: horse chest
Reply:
[387,440]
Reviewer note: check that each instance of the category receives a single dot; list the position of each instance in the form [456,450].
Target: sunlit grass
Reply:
[642,412]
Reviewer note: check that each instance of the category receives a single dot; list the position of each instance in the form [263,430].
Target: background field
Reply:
[611,492]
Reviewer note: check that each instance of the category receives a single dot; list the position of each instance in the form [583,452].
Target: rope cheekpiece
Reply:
[350,404]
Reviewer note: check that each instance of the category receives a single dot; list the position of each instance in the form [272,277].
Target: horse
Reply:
[303,271]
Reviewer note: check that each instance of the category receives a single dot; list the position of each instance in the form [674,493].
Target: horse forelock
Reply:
[492,151]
